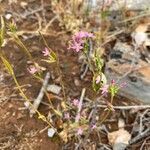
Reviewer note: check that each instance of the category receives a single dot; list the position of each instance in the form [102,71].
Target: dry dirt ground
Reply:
[17,130]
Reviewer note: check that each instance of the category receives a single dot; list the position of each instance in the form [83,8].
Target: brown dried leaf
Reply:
[120,136]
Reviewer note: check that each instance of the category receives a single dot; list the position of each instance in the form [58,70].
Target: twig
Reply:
[80,104]
[141,120]
[112,36]
[126,107]
[134,18]
[49,23]
[143,135]
[26,14]
[85,71]
[38,100]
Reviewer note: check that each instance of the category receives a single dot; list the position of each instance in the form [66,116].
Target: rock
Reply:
[23,4]
[130,4]
[54,88]
[119,139]
[8,16]
[127,66]
[51,132]
[76,82]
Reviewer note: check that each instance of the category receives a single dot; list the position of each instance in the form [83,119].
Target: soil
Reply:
[17,130]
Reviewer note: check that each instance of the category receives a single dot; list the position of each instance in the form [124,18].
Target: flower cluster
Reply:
[112,88]
[78,40]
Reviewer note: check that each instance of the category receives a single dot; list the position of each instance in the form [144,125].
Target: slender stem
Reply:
[10,70]
[61,77]
[57,66]
[109,110]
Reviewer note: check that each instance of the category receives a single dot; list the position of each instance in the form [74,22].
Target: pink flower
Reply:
[67,116]
[104,89]
[76,102]
[46,52]
[78,40]
[32,69]
[94,126]
[80,131]
[112,81]
[80,34]
[76,46]
[98,79]
[83,34]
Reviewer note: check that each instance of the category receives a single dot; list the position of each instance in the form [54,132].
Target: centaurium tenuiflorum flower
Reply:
[105,89]
[78,40]
[79,131]
[32,69]
[75,102]
[46,52]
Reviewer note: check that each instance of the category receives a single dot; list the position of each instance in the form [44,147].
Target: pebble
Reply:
[54,88]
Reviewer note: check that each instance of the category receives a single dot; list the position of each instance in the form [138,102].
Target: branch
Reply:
[80,104]
[38,100]
[126,107]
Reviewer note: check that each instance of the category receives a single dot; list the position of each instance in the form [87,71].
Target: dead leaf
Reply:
[120,137]
[140,35]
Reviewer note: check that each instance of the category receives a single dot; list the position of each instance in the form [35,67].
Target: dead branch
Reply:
[49,23]
[141,136]
[80,104]
[126,107]
[38,100]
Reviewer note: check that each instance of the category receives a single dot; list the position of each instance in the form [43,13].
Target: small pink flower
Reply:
[94,126]
[76,46]
[83,34]
[32,69]
[112,81]
[98,79]
[104,89]
[80,131]
[78,40]
[46,52]
[67,116]
[80,35]
[76,102]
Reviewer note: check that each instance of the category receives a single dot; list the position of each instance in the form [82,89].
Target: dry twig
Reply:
[80,104]
[38,100]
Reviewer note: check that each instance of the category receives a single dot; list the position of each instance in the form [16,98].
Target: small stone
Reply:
[54,89]
[23,4]
[51,132]
[77,82]
[8,16]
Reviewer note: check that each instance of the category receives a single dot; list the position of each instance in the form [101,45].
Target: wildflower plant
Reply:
[75,118]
